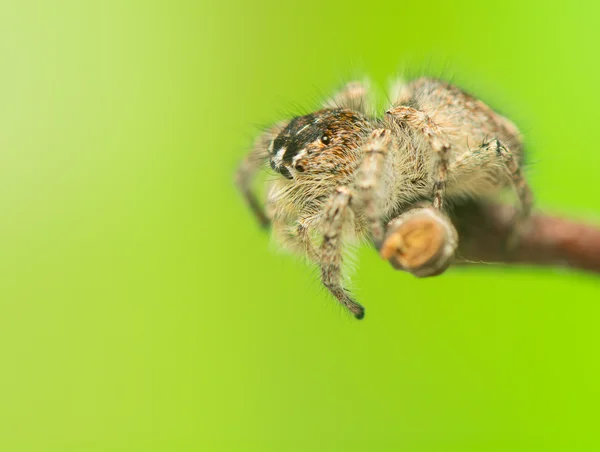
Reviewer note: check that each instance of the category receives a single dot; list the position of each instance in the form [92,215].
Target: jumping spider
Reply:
[343,172]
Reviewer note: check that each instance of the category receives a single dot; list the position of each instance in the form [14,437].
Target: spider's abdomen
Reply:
[467,122]
[469,126]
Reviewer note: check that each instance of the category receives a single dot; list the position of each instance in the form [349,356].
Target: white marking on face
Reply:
[279,156]
[303,128]
[298,156]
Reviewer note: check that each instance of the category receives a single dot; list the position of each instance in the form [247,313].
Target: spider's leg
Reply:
[368,183]
[354,95]
[248,169]
[400,91]
[296,238]
[491,153]
[331,249]
[419,121]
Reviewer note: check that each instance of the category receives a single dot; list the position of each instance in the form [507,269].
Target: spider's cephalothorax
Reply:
[343,172]
[319,144]
[314,154]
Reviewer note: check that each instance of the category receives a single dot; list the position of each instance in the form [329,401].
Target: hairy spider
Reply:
[344,173]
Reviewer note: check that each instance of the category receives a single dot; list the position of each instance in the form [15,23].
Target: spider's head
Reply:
[323,142]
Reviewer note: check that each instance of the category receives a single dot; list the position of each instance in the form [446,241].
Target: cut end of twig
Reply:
[422,242]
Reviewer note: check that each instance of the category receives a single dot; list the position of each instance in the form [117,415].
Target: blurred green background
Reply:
[141,308]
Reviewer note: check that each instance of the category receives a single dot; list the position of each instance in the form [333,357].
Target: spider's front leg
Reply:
[423,240]
[369,181]
[248,169]
[331,249]
[419,121]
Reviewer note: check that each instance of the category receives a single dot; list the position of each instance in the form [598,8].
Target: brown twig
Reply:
[548,240]
[483,231]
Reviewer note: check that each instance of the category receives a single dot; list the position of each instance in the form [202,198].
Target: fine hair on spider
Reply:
[344,172]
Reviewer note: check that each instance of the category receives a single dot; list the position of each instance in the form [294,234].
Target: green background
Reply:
[141,308]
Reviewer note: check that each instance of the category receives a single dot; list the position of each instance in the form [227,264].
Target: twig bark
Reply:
[548,240]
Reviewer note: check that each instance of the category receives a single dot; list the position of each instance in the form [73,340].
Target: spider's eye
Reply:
[325,139]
